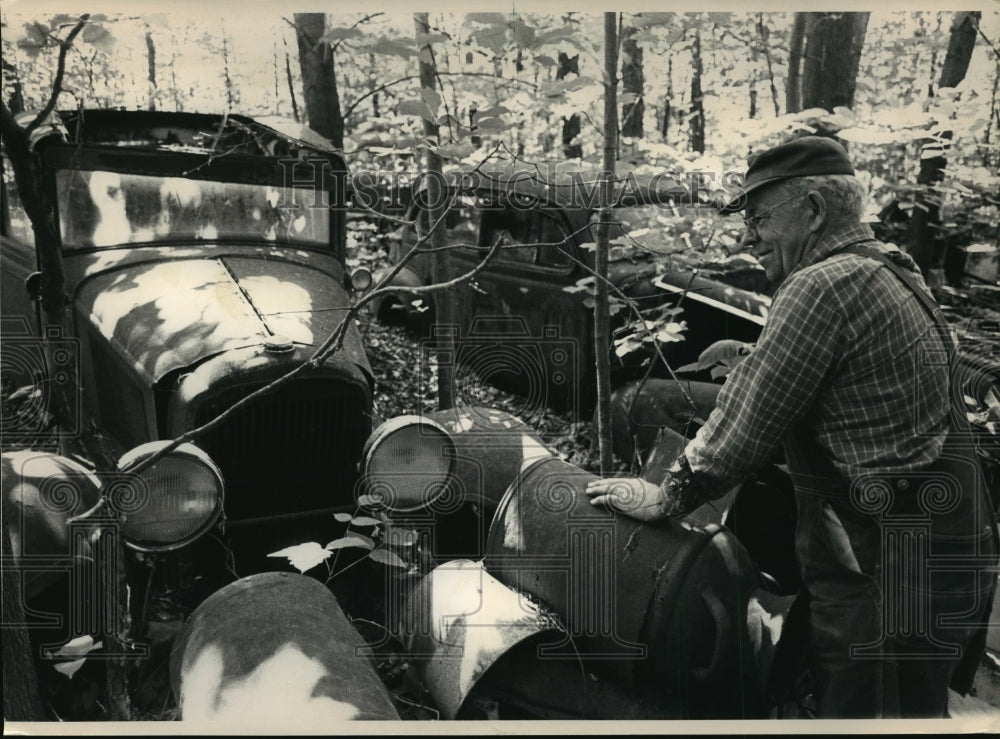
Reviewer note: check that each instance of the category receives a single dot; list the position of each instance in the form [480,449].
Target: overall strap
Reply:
[907,278]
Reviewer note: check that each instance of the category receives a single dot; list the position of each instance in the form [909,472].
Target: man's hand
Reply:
[633,496]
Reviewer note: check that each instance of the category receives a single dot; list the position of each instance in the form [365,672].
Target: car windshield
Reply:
[100,208]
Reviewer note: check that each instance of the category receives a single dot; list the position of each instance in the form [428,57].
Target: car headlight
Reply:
[408,463]
[170,504]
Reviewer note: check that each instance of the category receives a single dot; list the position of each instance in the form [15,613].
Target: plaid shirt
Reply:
[848,356]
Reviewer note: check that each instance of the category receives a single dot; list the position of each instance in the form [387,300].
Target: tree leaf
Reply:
[493,38]
[369,501]
[524,35]
[303,557]
[415,107]
[343,517]
[364,521]
[99,37]
[392,47]
[340,33]
[391,559]
[423,39]
[351,540]
[69,668]
[489,18]
[455,151]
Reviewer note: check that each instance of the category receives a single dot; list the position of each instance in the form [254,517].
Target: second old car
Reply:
[524,321]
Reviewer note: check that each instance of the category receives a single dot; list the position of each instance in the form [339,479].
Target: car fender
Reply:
[404,278]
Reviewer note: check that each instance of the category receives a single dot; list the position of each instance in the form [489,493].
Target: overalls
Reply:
[900,572]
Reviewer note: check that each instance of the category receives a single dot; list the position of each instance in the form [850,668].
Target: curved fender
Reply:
[274,651]
[41,491]
[405,278]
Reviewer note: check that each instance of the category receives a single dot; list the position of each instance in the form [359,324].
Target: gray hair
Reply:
[845,197]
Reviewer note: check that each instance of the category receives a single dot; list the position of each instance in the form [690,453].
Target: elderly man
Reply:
[851,376]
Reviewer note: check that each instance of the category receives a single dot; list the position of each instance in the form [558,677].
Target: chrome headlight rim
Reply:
[185,451]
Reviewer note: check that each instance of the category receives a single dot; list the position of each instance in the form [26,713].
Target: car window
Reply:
[15,220]
[527,237]
[101,208]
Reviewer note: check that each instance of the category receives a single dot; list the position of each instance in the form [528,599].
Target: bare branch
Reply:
[64,47]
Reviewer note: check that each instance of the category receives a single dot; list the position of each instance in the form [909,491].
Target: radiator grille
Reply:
[293,451]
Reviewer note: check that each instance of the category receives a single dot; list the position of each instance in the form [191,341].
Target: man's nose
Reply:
[748,239]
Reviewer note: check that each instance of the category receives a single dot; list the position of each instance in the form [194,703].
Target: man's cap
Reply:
[802,157]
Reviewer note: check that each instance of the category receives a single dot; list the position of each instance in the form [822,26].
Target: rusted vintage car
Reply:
[204,257]
[524,322]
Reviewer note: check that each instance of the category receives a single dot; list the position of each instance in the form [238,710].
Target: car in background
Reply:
[524,321]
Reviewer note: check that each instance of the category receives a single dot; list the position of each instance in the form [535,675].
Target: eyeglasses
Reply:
[754,221]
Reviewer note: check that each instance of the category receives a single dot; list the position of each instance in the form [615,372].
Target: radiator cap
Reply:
[278,345]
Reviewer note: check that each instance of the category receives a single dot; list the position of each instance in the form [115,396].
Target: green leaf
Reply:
[303,557]
[491,125]
[455,151]
[351,540]
[364,521]
[343,517]
[493,38]
[391,559]
[524,35]
[340,33]
[392,47]
[36,32]
[489,18]
[415,107]
[99,37]
[370,501]
[647,20]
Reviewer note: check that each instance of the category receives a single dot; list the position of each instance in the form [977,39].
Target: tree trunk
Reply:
[632,84]
[440,265]
[602,321]
[793,90]
[291,88]
[319,78]
[151,65]
[764,34]
[571,125]
[833,44]
[697,112]
[667,112]
[925,239]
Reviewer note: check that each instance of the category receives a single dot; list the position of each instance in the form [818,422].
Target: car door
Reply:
[520,329]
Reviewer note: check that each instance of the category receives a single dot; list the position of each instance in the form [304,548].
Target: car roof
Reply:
[572,192]
[207,134]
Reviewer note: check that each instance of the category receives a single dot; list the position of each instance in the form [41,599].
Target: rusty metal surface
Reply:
[459,622]
[640,409]
[274,652]
[664,605]
[168,315]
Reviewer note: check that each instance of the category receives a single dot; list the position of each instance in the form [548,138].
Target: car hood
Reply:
[169,315]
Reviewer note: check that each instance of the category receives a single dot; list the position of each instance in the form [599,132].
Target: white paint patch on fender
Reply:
[277,695]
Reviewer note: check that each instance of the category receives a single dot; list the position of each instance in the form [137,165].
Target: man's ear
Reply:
[817,211]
